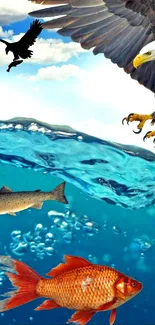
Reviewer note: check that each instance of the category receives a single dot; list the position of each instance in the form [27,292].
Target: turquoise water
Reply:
[110,218]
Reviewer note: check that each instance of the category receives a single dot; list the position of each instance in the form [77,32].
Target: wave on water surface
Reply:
[118,174]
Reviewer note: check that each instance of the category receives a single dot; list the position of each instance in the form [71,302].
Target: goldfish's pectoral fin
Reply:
[82,317]
[108,305]
[5,189]
[112,317]
[48,304]
[37,205]
[12,213]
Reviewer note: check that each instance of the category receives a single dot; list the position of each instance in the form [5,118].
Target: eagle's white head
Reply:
[146,54]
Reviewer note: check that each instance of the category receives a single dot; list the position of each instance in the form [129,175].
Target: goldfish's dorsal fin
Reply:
[71,263]
[5,189]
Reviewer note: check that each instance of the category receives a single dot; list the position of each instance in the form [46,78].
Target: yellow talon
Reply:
[138,117]
[149,134]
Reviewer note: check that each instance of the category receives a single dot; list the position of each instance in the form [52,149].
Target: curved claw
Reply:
[127,118]
[137,132]
[130,115]
[124,119]
[153,122]
[145,136]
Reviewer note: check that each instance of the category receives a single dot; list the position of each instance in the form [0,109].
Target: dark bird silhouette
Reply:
[20,48]
[14,64]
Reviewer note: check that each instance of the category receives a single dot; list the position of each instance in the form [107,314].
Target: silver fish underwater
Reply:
[12,202]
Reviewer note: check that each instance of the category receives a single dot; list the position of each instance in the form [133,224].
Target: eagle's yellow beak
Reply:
[140,59]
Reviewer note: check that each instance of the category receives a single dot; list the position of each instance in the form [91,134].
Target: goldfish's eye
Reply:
[133,284]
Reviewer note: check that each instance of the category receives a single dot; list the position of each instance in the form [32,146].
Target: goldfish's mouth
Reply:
[140,287]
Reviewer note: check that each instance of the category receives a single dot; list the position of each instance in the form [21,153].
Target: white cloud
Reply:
[58,73]
[15,10]
[54,50]
[6,33]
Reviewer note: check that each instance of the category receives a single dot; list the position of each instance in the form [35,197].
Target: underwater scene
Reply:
[109,219]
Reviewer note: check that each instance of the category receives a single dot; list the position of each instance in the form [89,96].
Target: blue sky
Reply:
[64,84]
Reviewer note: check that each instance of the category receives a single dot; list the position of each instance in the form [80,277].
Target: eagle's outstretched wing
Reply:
[31,35]
[117,28]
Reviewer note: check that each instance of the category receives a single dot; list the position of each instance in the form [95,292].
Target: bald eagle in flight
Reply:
[20,48]
[121,29]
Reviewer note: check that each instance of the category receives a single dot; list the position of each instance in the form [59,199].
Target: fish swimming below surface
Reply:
[77,284]
[12,202]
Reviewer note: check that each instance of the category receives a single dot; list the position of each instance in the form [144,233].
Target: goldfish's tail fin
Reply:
[59,193]
[23,278]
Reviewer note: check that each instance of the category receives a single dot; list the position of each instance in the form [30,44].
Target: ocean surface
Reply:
[110,218]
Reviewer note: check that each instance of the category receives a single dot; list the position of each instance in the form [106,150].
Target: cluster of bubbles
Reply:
[41,240]
[138,247]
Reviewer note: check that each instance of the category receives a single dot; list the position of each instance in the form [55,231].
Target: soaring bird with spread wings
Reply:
[124,30]
[20,48]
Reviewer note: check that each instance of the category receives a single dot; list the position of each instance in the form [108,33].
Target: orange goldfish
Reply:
[77,284]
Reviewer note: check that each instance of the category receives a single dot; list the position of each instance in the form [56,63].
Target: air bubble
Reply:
[37,239]
[16,235]
[49,236]
[116,230]
[49,250]
[78,225]
[39,227]
[113,265]
[68,237]
[106,258]
[55,213]
[20,249]
[57,222]
[32,248]
[40,248]
[27,237]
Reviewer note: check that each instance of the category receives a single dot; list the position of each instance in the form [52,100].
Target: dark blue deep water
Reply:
[110,218]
